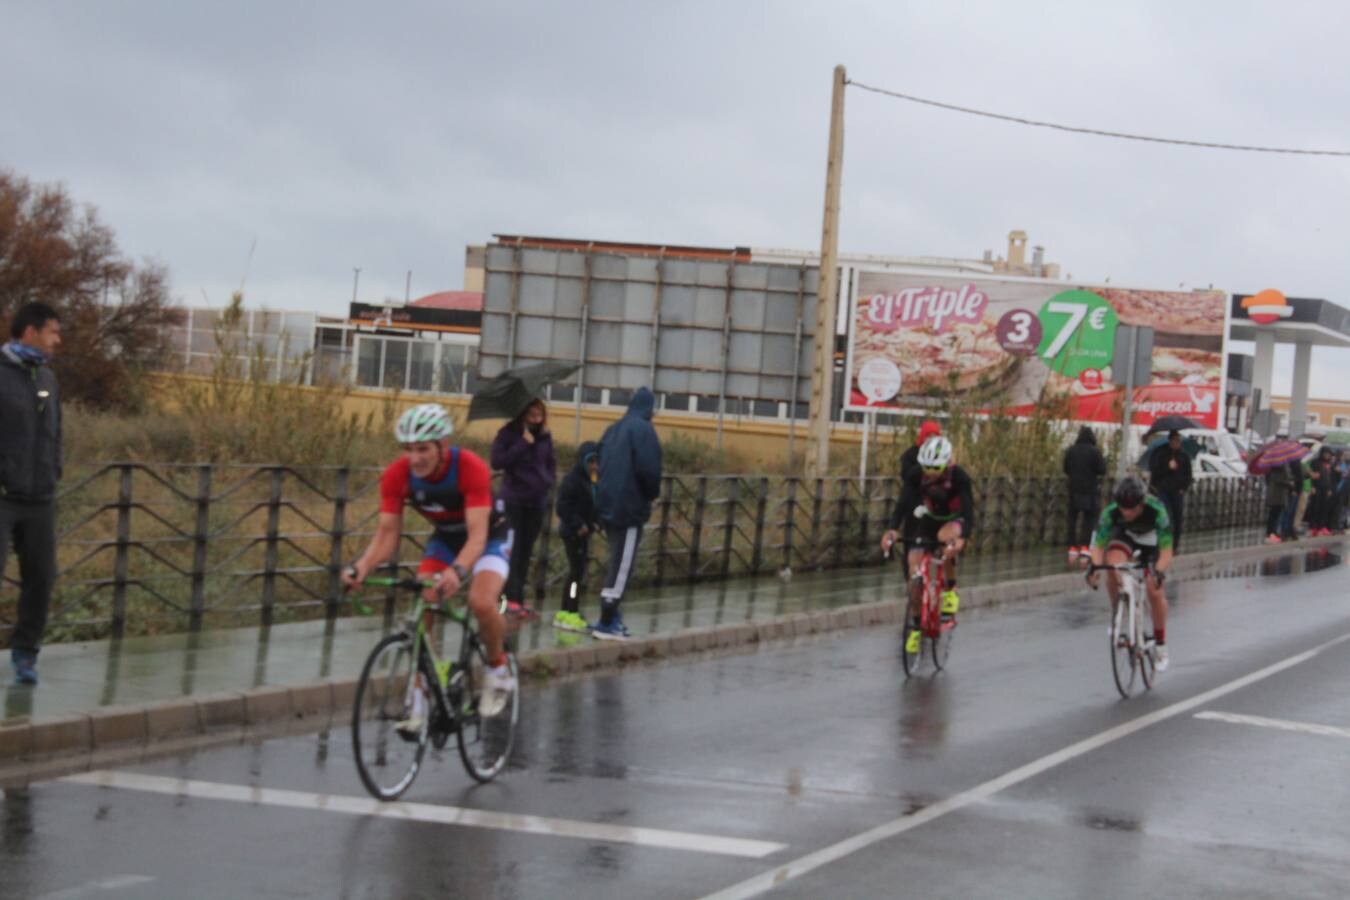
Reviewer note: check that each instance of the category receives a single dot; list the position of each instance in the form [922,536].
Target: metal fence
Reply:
[146,548]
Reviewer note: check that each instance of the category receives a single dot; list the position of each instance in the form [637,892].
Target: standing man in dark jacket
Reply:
[630,479]
[1085,466]
[576,524]
[523,452]
[1170,477]
[30,466]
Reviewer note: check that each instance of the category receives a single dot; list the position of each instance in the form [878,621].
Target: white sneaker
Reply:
[498,685]
[1160,657]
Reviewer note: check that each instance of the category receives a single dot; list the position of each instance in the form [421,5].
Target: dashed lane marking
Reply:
[1281,724]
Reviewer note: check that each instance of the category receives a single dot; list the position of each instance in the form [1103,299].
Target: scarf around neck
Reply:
[23,353]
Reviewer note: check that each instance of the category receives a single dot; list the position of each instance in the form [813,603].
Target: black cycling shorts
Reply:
[1148,553]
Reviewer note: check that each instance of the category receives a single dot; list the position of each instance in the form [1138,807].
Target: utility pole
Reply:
[822,377]
[407,289]
[356,279]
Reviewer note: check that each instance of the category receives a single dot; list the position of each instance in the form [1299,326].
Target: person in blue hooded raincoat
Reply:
[629,480]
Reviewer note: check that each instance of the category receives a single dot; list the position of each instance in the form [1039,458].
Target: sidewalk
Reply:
[186,684]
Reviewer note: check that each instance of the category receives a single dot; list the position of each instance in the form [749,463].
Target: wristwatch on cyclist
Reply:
[460,572]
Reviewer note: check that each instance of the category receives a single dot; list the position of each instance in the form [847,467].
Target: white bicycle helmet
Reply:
[427,422]
[936,453]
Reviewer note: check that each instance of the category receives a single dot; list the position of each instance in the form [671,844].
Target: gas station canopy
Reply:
[1320,323]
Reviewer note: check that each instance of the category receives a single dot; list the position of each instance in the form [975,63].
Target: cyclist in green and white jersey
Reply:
[1137,521]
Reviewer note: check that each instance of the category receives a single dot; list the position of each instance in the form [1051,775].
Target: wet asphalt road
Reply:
[807,746]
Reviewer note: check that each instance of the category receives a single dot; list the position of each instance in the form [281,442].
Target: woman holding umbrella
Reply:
[523,452]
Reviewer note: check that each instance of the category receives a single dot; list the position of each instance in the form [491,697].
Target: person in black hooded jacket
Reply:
[577,521]
[1085,466]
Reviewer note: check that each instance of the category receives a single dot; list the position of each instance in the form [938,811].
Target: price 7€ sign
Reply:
[1078,332]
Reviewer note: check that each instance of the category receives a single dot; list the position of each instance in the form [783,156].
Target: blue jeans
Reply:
[1287,520]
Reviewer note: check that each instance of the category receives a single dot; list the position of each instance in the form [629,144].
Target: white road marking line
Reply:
[426,812]
[112,883]
[757,885]
[1282,724]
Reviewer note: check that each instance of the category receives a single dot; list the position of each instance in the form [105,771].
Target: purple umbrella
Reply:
[1274,455]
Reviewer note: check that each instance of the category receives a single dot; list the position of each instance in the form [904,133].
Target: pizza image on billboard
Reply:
[1011,343]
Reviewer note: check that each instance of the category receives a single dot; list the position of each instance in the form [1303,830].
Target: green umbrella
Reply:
[507,395]
[1337,437]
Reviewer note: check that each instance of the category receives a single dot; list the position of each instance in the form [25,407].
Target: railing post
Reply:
[729,526]
[667,490]
[840,518]
[200,535]
[700,501]
[335,536]
[123,551]
[817,508]
[271,542]
[761,510]
[789,521]
[860,548]
[887,504]
[1047,496]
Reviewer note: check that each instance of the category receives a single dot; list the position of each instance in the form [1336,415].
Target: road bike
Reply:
[1131,629]
[935,628]
[404,665]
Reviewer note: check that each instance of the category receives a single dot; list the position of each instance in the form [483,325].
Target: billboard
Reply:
[917,340]
[681,325]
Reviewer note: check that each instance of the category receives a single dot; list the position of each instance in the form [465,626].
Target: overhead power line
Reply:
[1121,135]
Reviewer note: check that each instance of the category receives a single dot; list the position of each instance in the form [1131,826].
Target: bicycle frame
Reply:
[934,580]
[1128,635]
[438,672]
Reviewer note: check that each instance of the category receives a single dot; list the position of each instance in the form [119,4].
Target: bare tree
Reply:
[115,314]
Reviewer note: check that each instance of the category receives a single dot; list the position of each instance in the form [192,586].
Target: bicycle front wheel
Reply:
[388,758]
[1122,647]
[485,742]
[941,644]
[1143,638]
[911,662]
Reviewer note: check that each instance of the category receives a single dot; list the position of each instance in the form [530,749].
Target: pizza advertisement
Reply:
[918,341]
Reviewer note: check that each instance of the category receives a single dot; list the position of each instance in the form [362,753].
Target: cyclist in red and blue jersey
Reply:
[452,489]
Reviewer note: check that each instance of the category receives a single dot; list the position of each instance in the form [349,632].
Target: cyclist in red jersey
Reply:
[452,489]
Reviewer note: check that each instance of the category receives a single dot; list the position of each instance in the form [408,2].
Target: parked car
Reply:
[1210,465]
[1219,443]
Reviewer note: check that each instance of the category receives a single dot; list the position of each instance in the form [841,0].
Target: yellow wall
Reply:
[753,441]
[1327,411]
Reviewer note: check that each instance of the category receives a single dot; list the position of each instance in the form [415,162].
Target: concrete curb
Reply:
[67,743]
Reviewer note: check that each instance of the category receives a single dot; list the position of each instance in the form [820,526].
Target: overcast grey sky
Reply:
[390,136]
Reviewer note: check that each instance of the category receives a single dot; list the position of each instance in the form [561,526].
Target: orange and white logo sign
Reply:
[1266,307]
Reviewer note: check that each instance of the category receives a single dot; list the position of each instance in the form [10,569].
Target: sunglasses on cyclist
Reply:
[934,470]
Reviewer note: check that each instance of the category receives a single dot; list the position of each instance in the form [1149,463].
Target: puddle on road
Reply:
[1110,822]
[1278,566]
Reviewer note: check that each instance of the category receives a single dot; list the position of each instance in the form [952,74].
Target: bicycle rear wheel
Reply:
[485,742]
[1122,649]
[386,759]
